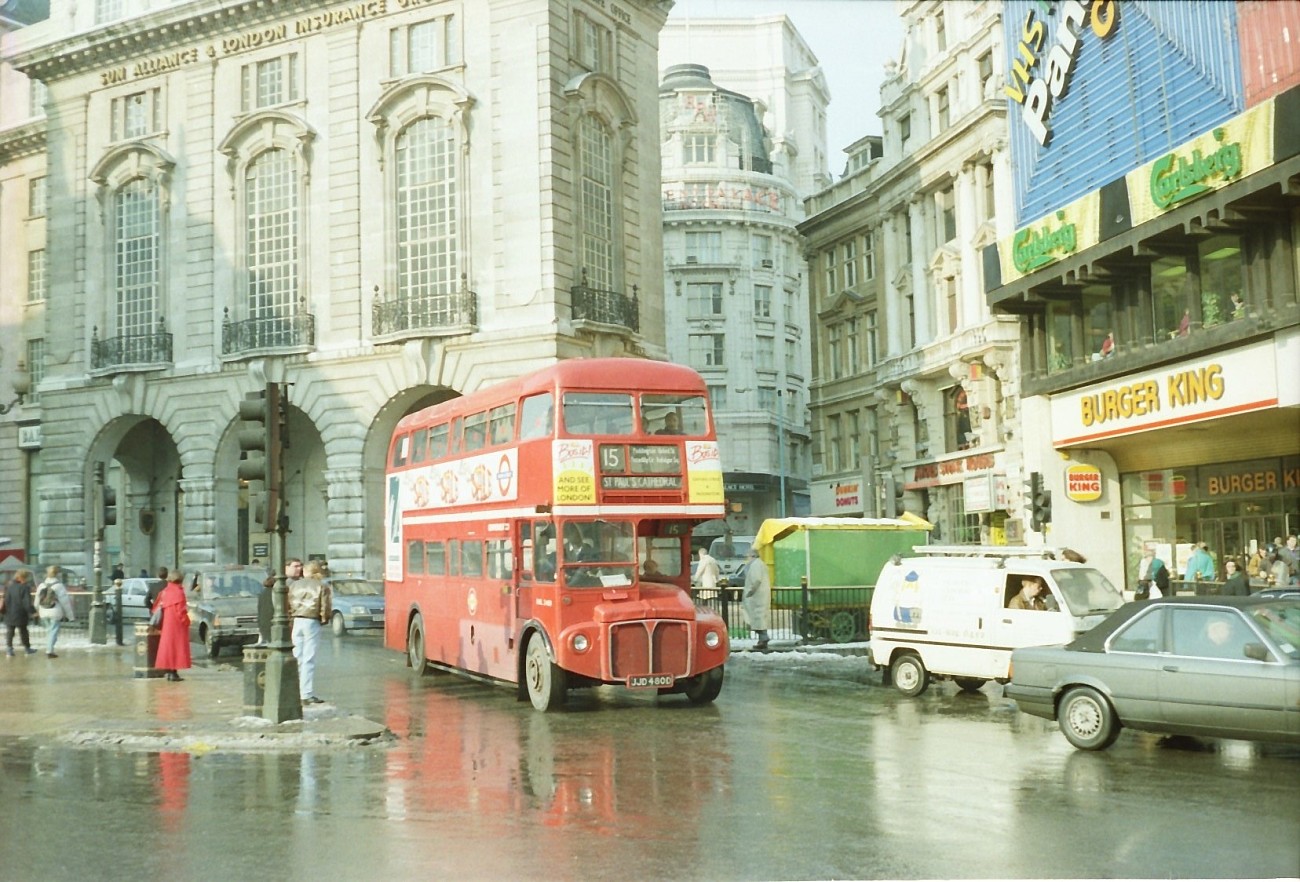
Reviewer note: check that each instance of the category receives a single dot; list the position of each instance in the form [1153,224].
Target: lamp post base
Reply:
[98,624]
[281,701]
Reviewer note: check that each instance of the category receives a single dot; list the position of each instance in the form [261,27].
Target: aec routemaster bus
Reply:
[538,532]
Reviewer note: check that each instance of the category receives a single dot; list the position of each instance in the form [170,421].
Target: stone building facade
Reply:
[362,200]
[914,401]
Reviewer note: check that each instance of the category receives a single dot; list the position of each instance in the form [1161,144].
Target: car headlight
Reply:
[580,643]
[712,639]
[360,611]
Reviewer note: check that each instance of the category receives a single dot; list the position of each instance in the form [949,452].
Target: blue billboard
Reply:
[1095,89]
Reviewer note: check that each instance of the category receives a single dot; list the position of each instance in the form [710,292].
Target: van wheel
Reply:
[1087,720]
[909,674]
[969,684]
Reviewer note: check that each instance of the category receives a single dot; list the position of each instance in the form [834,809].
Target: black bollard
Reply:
[117,612]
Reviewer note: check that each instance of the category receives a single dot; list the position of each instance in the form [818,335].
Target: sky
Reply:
[852,40]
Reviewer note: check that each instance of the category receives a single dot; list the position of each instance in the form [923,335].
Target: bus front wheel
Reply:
[544,679]
[704,688]
[415,654]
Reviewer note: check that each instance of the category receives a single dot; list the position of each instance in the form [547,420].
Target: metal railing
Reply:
[131,349]
[607,307]
[267,332]
[456,311]
[814,615]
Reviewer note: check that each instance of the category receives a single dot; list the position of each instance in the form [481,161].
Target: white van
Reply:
[944,614]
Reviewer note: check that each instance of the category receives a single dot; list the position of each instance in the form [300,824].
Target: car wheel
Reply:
[1087,720]
[213,647]
[337,625]
[546,681]
[415,654]
[969,684]
[703,688]
[909,674]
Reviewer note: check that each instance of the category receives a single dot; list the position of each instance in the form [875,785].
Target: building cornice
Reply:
[20,141]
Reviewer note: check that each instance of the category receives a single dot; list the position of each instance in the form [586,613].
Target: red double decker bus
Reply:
[538,532]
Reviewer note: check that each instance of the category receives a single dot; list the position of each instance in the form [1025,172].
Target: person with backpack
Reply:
[16,606]
[1153,576]
[54,605]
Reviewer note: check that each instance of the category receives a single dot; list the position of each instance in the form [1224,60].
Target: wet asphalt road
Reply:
[787,776]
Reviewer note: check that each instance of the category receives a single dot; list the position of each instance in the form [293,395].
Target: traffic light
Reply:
[1041,502]
[259,452]
[110,506]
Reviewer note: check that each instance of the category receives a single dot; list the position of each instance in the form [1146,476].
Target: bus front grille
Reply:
[649,648]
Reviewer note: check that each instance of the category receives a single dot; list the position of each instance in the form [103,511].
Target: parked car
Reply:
[1216,667]
[358,603]
[135,593]
[223,606]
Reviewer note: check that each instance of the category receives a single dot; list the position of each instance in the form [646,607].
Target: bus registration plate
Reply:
[649,681]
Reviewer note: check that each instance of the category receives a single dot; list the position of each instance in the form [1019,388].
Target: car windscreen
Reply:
[1281,621]
[1086,591]
[354,588]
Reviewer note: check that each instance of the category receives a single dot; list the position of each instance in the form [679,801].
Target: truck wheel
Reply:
[1087,720]
[546,682]
[969,684]
[909,674]
[844,626]
[704,688]
[416,657]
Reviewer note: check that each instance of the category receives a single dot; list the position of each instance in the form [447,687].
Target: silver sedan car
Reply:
[1216,667]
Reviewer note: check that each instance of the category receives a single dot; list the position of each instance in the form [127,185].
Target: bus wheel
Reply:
[415,654]
[545,681]
[909,674]
[704,688]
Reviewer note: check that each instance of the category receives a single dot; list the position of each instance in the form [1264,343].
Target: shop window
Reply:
[1222,280]
[1060,345]
[1171,317]
[1098,322]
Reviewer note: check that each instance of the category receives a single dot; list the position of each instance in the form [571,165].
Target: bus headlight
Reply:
[580,643]
[712,639]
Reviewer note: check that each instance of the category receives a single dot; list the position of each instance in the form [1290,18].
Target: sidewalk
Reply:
[90,696]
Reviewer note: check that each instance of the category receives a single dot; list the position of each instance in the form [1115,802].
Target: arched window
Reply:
[428,269]
[135,258]
[271,235]
[596,160]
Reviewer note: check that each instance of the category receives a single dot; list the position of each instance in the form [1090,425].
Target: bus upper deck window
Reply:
[668,414]
[475,431]
[419,445]
[598,413]
[501,424]
[538,417]
[438,441]
[400,450]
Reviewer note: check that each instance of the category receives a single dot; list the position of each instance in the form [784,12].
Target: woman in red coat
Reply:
[174,642]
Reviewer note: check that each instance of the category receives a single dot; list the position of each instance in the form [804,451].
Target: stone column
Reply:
[346,521]
[895,310]
[198,523]
[922,290]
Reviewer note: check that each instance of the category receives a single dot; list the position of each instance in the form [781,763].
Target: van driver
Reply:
[1030,595]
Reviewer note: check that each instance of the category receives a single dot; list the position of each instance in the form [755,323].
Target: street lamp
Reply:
[22,384]
[780,446]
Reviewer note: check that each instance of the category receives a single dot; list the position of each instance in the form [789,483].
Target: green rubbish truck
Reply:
[838,559]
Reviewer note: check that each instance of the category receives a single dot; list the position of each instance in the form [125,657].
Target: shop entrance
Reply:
[1239,536]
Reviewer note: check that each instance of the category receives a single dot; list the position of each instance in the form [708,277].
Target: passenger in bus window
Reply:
[672,425]
[650,571]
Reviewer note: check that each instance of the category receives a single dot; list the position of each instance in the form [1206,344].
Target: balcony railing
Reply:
[441,314]
[131,349]
[267,332]
[607,307]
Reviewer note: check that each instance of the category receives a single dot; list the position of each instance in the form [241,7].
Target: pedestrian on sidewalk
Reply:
[757,601]
[18,611]
[311,606]
[55,607]
[174,641]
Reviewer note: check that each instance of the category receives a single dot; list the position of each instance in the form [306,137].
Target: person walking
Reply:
[757,600]
[174,639]
[55,607]
[1153,576]
[707,573]
[18,611]
[1200,565]
[311,606]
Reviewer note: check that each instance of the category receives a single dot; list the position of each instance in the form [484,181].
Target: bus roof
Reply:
[613,374]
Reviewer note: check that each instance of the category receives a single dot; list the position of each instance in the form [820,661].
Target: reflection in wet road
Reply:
[783,778]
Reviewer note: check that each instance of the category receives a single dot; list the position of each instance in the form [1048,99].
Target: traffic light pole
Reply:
[96,621]
[281,701]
